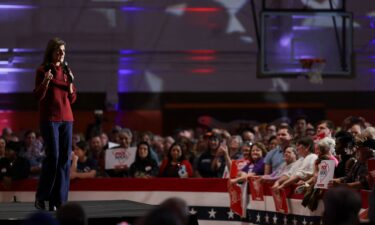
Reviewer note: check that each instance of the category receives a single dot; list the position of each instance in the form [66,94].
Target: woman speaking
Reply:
[55,92]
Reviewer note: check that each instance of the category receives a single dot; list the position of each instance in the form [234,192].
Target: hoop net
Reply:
[314,68]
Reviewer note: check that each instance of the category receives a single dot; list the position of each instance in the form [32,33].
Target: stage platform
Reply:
[98,212]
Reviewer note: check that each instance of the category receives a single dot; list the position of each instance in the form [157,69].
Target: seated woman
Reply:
[82,166]
[255,167]
[175,165]
[290,156]
[313,195]
[345,144]
[303,168]
[325,147]
[237,163]
[124,140]
[357,176]
[144,165]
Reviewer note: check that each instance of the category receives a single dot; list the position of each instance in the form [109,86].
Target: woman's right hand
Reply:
[47,76]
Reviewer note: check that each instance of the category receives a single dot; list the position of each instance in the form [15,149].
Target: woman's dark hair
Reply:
[182,157]
[329,123]
[137,158]
[71,213]
[28,132]
[345,138]
[341,206]
[83,145]
[273,137]
[261,146]
[306,142]
[52,45]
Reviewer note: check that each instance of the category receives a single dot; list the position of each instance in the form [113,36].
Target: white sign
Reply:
[325,174]
[119,157]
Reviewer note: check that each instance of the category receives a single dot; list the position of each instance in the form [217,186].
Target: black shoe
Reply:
[40,205]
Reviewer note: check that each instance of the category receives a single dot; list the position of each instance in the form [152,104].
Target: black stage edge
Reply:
[98,212]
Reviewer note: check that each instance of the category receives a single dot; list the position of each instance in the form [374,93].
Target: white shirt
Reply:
[303,167]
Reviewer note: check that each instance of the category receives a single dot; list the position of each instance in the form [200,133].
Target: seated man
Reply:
[82,165]
[290,156]
[275,157]
[303,168]
[13,167]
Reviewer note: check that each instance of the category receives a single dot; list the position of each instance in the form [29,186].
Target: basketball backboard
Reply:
[289,36]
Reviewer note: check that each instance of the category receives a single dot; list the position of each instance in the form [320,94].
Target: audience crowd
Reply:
[285,154]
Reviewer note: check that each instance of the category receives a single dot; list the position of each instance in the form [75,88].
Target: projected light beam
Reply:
[6,6]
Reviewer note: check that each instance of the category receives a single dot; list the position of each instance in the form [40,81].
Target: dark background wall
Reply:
[180,59]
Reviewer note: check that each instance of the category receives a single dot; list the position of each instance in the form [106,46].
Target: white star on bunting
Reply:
[285,220]
[258,218]
[267,218]
[212,213]
[230,214]
[274,218]
[304,221]
[192,211]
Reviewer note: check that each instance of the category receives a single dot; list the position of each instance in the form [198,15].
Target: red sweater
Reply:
[166,162]
[54,99]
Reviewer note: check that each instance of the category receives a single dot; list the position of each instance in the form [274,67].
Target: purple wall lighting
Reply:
[127,52]
[124,69]
[132,9]
[125,72]
[10,7]
[14,70]
[26,50]
[372,23]
[126,59]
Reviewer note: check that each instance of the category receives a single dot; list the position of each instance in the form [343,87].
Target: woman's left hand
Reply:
[71,88]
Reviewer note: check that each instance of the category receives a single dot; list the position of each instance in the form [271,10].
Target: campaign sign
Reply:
[325,174]
[119,157]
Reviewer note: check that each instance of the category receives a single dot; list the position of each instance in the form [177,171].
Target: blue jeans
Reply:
[54,178]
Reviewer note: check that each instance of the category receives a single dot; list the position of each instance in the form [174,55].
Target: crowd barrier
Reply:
[207,198]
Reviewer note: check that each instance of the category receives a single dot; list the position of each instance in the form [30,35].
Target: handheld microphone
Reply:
[68,71]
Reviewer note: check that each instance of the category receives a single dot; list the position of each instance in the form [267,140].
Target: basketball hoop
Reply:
[313,68]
